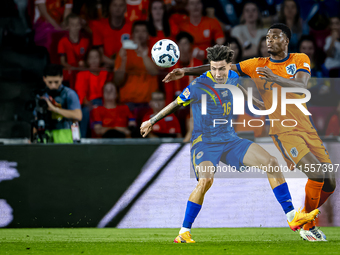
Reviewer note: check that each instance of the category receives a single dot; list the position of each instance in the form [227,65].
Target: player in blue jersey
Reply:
[213,143]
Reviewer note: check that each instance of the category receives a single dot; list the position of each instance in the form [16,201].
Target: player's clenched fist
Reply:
[175,74]
[145,128]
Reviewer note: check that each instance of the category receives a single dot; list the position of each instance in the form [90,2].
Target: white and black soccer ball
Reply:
[165,53]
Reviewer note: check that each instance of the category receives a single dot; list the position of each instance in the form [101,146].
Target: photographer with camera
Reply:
[57,110]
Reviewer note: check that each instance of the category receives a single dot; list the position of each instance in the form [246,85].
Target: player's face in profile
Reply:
[53,82]
[220,70]
[276,41]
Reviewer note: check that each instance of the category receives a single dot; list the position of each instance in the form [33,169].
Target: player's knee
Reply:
[272,161]
[205,183]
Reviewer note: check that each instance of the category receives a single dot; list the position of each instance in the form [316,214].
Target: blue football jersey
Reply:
[219,102]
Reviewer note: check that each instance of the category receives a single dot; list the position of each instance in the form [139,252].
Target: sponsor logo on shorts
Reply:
[294,152]
[199,155]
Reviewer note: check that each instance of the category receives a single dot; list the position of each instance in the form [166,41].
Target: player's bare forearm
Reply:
[300,80]
[196,71]
[293,83]
[170,108]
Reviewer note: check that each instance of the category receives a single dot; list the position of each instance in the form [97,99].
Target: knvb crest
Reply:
[291,69]
[294,152]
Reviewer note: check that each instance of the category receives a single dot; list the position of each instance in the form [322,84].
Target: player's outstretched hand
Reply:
[175,74]
[145,128]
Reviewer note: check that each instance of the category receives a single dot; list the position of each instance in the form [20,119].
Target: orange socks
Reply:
[313,195]
[324,196]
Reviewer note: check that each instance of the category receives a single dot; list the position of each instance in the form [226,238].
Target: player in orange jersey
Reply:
[300,146]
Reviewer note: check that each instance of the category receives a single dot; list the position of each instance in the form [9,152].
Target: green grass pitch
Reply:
[159,241]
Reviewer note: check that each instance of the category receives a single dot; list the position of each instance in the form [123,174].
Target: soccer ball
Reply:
[165,53]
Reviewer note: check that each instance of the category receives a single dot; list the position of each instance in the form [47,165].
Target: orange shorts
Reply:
[295,145]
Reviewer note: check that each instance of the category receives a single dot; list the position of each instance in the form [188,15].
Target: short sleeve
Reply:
[184,97]
[303,63]
[246,68]
[72,100]
[61,47]
[218,31]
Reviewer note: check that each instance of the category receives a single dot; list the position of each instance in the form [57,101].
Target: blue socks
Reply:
[191,214]
[283,197]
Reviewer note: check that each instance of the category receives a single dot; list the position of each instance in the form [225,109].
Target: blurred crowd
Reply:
[104,47]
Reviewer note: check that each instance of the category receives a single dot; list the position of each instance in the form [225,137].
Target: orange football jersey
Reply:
[286,68]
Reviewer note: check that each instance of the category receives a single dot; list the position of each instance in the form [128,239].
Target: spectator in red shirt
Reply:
[167,127]
[137,10]
[112,120]
[109,33]
[185,43]
[89,86]
[50,18]
[159,26]
[178,11]
[73,47]
[205,30]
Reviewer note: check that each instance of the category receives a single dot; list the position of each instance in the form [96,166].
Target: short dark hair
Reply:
[139,23]
[182,35]
[220,53]
[71,16]
[53,70]
[285,29]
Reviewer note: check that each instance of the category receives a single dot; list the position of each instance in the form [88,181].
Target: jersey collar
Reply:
[280,61]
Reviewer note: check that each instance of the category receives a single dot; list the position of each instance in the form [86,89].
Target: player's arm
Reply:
[256,101]
[146,126]
[300,80]
[178,73]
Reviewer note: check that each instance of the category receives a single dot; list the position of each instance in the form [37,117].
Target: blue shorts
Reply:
[230,153]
